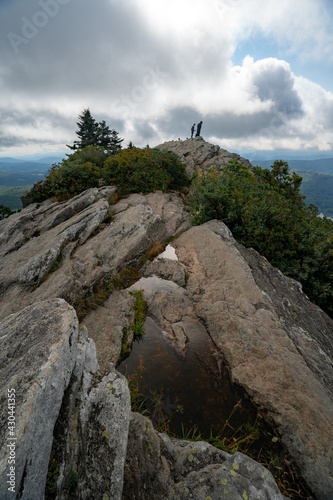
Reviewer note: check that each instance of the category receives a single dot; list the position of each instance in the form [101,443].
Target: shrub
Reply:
[6,212]
[71,178]
[80,171]
[266,211]
[133,170]
[170,162]
[136,170]
[93,154]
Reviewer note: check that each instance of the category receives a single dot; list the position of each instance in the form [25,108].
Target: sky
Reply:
[258,73]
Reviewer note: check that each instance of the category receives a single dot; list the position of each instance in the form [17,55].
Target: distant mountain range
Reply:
[15,172]
[255,155]
[18,175]
[324,165]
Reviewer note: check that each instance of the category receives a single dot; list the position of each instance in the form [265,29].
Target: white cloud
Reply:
[302,27]
[151,68]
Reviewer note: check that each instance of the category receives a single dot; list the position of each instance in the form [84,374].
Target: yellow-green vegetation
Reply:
[125,349]
[266,211]
[140,312]
[135,329]
[132,170]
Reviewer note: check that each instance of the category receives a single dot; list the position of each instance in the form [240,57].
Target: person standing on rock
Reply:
[192,130]
[198,129]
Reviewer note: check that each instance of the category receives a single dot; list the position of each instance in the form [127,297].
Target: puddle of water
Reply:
[198,380]
[169,253]
[154,283]
[189,373]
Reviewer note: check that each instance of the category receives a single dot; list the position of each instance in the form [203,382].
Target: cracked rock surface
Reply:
[70,399]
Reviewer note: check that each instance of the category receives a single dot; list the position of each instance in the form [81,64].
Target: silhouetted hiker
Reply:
[198,129]
[192,130]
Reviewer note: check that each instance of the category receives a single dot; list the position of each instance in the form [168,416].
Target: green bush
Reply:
[170,163]
[93,154]
[80,171]
[266,211]
[132,170]
[138,170]
[71,178]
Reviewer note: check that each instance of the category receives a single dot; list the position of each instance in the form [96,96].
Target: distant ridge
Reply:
[284,154]
[9,159]
[324,165]
[50,159]
[46,159]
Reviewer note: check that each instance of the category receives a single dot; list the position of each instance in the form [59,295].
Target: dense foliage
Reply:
[92,133]
[266,211]
[132,170]
[80,171]
[138,170]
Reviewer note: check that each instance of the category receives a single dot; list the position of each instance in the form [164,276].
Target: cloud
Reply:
[150,69]
[81,48]
[275,83]
[301,27]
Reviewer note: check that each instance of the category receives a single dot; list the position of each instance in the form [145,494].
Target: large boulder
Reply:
[90,441]
[39,346]
[277,344]
[54,399]
[158,467]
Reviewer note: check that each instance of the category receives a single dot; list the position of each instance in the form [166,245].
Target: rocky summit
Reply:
[197,155]
[67,430]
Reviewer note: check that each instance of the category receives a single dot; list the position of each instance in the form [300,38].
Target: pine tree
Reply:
[88,131]
[108,139]
[92,133]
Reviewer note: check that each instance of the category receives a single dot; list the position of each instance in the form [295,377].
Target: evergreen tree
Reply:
[91,133]
[108,139]
[88,131]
